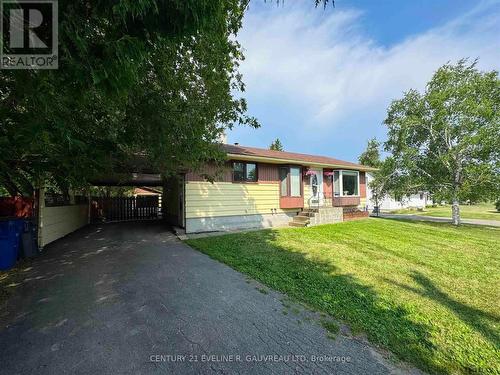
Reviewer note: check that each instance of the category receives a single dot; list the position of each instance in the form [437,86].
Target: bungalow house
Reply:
[261,188]
[257,188]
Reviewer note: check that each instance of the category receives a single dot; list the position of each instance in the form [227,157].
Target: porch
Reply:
[328,200]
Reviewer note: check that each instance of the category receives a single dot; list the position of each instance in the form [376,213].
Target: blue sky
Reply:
[321,80]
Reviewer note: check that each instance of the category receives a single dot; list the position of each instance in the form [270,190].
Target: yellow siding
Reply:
[56,222]
[307,193]
[362,203]
[204,199]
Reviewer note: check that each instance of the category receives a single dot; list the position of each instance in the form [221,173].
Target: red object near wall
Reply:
[17,206]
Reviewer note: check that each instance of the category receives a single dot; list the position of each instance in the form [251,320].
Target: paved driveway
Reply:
[489,223]
[131,298]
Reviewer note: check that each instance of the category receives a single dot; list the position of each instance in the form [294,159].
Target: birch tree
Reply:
[447,139]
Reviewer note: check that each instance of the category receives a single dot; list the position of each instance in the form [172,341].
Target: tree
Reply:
[371,156]
[276,145]
[153,78]
[381,181]
[446,140]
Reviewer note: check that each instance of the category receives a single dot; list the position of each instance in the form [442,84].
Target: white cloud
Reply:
[321,64]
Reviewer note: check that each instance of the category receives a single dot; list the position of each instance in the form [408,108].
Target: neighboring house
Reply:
[264,188]
[145,190]
[388,203]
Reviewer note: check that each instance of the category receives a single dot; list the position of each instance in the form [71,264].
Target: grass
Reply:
[484,211]
[429,292]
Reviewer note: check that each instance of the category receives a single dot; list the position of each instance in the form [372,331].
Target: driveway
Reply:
[131,298]
[489,223]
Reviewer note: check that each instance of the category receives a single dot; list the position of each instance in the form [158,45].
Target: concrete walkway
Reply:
[490,223]
[132,299]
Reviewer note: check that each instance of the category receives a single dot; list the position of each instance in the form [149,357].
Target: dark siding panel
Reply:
[268,173]
[223,175]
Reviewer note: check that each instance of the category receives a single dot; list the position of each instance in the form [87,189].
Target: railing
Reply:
[329,201]
[316,202]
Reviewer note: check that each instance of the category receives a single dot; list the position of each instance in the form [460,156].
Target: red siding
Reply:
[268,173]
[291,202]
[210,169]
[328,184]
[362,184]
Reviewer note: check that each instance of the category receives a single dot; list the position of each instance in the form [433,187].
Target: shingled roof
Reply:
[291,157]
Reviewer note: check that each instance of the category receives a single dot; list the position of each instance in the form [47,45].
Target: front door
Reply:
[316,187]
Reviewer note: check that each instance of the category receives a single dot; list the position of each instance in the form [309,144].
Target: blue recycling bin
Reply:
[10,232]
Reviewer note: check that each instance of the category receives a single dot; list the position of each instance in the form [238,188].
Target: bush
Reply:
[497,205]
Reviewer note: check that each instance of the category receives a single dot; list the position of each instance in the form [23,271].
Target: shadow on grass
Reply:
[480,321]
[315,283]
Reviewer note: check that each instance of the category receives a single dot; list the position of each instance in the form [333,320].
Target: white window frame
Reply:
[341,182]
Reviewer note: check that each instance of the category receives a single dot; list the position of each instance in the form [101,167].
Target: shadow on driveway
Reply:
[131,298]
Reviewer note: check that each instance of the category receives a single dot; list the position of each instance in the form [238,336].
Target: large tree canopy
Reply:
[447,139]
[148,77]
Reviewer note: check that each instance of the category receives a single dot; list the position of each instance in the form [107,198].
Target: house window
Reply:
[346,183]
[294,182]
[283,182]
[290,182]
[244,172]
[336,183]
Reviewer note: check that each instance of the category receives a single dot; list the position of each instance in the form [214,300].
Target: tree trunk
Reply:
[455,211]
[455,205]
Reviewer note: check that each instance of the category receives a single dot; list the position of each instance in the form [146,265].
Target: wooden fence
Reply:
[145,207]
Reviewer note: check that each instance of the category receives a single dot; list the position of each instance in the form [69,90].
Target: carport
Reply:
[58,217]
[170,204]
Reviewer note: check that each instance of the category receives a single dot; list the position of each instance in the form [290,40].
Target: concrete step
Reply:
[297,224]
[301,219]
[306,214]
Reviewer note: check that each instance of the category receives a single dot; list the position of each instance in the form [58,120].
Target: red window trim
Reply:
[288,185]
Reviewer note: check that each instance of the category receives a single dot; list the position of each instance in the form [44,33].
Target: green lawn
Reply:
[429,292]
[485,211]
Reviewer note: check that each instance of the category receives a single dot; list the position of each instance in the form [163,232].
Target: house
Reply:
[388,203]
[261,188]
[257,188]
[146,190]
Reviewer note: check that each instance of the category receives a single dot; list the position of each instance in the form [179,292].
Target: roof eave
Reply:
[270,160]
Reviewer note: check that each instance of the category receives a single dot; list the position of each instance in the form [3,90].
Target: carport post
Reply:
[41,208]
[88,206]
